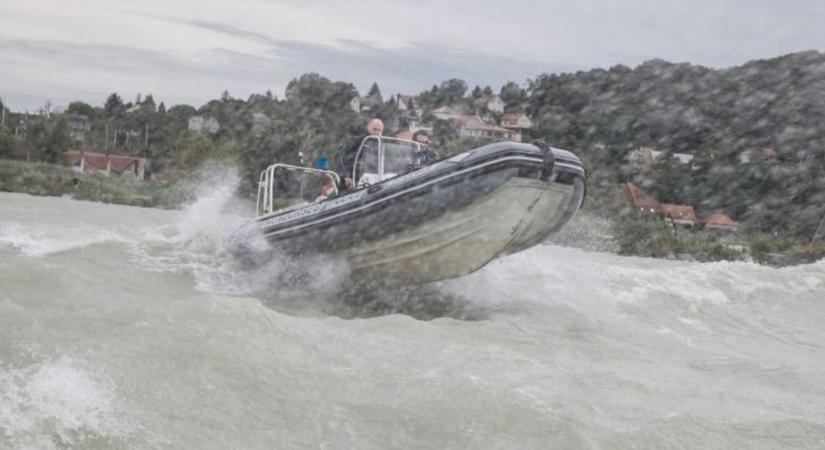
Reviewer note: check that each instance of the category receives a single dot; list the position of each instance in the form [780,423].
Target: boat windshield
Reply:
[282,186]
[380,158]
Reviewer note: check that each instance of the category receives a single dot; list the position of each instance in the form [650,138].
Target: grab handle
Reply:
[549,160]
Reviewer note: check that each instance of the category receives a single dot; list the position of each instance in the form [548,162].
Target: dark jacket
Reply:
[345,156]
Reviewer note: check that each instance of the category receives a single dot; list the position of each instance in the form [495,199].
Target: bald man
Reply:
[345,157]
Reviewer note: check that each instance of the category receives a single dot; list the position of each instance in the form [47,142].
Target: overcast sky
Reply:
[191,51]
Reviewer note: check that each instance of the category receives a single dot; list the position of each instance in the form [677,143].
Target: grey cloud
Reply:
[98,56]
[222,28]
[413,68]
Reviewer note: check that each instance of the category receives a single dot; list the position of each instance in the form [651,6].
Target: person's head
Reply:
[422,137]
[375,127]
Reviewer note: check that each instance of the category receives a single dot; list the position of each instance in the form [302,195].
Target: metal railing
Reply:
[382,150]
[266,185]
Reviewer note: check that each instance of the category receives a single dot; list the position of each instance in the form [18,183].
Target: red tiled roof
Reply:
[512,116]
[719,220]
[99,161]
[678,212]
[95,160]
[642,200]
[120,163]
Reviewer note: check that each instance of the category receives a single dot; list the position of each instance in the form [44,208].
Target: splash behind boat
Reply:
[407,223]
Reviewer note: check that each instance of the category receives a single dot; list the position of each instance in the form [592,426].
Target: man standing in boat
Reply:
[428,155]
[345,157]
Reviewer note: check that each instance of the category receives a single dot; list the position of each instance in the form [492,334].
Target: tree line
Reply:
[602,114]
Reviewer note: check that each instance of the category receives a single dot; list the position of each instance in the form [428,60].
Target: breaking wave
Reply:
[50,239]
[57,404]
[204,243]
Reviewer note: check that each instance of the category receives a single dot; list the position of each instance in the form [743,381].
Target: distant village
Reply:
[512,126]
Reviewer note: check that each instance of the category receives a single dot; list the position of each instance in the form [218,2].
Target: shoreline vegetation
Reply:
[45,179]
[652,238]
[589,230]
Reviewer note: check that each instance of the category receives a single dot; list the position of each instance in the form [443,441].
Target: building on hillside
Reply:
[473,126]
[643,204]
[79,125]
[110,165]
[355,104]
[260,122]
[413,124]
[407,103]
[204,124]
[516,121]
[720,222]
[495,104]
[447,113]
[683,158]
[642,159]
[369,103]
[767,154]
[681,215]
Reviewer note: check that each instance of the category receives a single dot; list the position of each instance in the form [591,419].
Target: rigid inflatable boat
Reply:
[406,222]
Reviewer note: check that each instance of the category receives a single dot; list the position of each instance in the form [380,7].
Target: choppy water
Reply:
[127,327]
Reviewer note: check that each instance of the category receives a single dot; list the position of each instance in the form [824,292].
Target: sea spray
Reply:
[57,404]
[208,242]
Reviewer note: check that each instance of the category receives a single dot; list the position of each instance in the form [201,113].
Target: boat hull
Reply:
[442,221]
[512,216]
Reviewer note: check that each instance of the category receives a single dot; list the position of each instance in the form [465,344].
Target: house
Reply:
[355,104]
[495,104]
[642,203]
[516,121]
[79,125]
[752,155]
[407,103]
[473,126]
[121,165]
[642,159]
[446,113]
[417,126]
[682,215]
[369,103]
[260,122]
[720,222]
[204,124]
[683,158]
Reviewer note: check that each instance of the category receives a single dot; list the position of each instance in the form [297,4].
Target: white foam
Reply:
[201,243]
[56,404]
[44,240]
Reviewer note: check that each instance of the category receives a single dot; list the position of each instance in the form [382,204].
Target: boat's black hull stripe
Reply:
[560,165]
